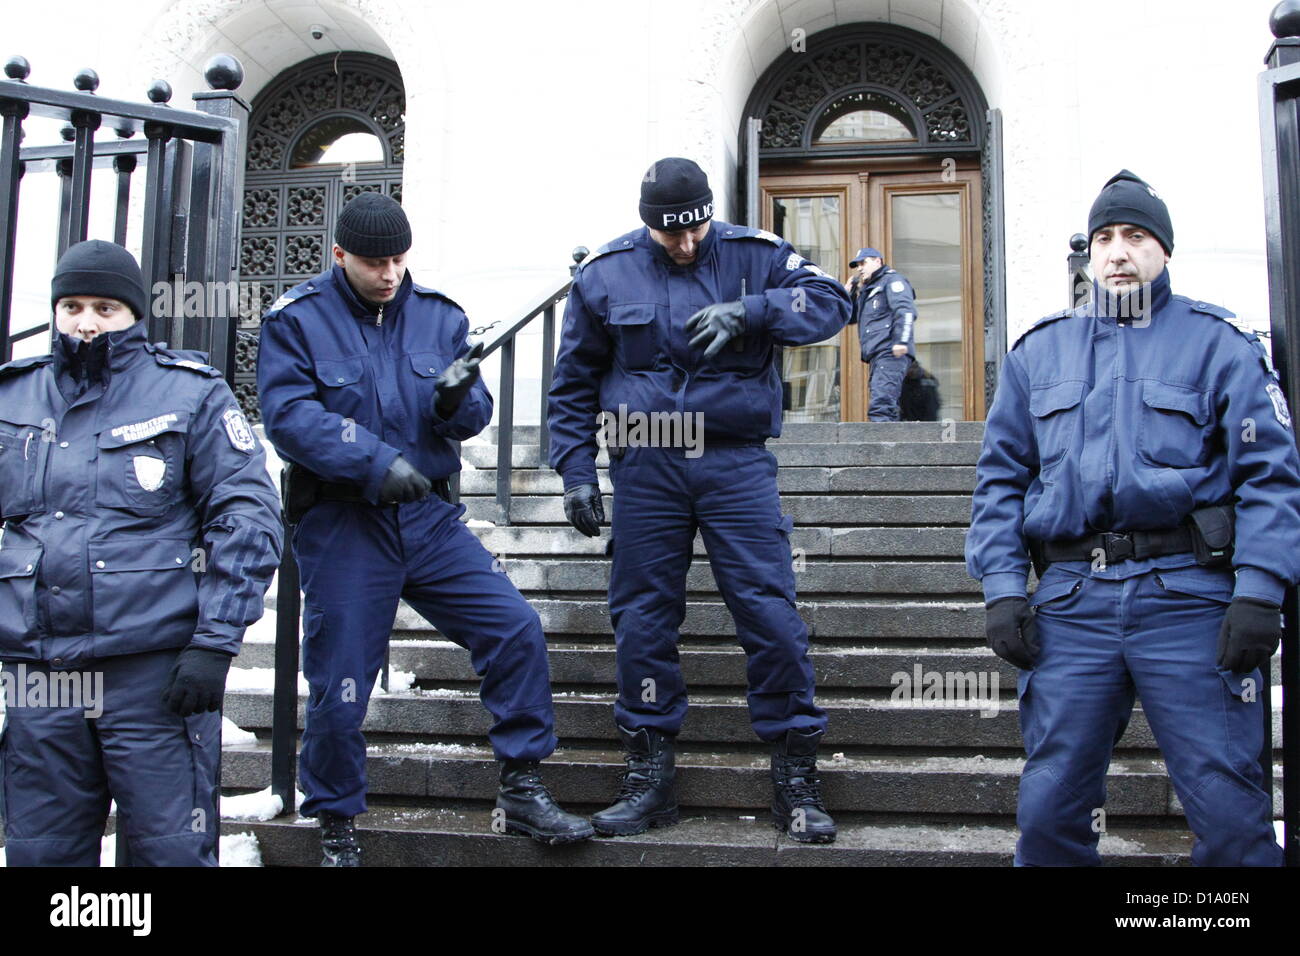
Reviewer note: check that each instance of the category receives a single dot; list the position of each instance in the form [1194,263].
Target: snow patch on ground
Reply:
[260,806]
[449,749]
[234,736]
[480,523]
[398,682]
[261,631]
[257,679]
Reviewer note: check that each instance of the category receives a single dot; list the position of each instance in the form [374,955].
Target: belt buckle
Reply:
[1119,546]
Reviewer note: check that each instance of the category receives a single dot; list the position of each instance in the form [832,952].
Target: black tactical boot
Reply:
[646,797]
[338,840]
[530,809]
[797,806]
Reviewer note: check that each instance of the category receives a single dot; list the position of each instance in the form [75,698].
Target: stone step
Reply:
[457,835]
[854,721]
[880,543]
[828,432]
[1136,786]
[789,454]
[540,577]
[916,480]
[702,666]
[821,510]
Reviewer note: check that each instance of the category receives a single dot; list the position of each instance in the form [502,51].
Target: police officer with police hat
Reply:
[140,533]
[366,380]
[683,317]
[884,308]
[1139,450]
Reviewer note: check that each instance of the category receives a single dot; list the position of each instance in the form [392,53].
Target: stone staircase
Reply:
[880,513]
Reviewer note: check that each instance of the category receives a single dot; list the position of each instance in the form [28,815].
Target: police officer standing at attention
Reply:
[683,317]
[366,379]
[125,468]
[884,309]
[1127,440]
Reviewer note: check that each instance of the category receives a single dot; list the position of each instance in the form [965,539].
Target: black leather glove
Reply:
[716,325]
[454,383]
[1012,632]
[403,483]
[197,681]
[1249,635]
[583,508]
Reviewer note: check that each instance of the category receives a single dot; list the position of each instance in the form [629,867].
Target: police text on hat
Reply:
[675,195]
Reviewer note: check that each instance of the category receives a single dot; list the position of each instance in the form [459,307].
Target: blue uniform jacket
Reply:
[344,390]
[1124,424]
[624,340]
[137,518]
[885,311]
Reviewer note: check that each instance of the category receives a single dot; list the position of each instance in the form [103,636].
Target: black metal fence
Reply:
[193,166]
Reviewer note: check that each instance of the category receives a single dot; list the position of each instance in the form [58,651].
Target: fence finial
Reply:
[224,72]
[86,80]
[160,91]
[1284,21]
[1079,242]
[17,68]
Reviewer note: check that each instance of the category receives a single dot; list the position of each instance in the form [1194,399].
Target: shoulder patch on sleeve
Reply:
[1045,320]
[897,286]
[237,430]
[1280,411]
[293,295]
[18,366]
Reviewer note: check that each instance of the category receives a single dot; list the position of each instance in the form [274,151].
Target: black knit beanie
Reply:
[96,267]
[1127,198]
[675,195]
[373,225]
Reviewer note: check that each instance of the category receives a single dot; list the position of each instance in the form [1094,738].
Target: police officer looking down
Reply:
[682,317]
[125,468]
[1127,438]
[366,379]
[884,309]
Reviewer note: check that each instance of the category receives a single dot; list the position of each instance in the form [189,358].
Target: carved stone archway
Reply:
[290,202]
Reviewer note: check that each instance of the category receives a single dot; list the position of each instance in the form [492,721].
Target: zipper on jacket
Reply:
[379,319]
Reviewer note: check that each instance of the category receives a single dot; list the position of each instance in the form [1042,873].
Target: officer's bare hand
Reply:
[456,381]
[197,681]
[899,351]
[403,483]
[583,508]
[1249,635]
[716,325]
[1012,632]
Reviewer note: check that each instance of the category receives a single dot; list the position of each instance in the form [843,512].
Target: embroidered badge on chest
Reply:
[149,472]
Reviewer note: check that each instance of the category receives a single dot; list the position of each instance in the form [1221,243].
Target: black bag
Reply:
[299,491]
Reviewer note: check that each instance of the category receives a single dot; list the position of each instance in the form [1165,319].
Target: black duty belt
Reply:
[1120,546]
[334,491]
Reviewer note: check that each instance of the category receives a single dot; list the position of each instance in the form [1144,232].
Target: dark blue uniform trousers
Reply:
[59,768]
[1154,635]
[886,386]
[660,498]
[356,561]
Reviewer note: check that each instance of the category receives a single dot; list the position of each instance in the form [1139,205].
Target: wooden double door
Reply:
[926,222]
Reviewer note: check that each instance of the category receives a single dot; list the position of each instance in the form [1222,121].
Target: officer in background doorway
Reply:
[140,533]
[1140,449]
[884,309]
[683,317]
[366,379]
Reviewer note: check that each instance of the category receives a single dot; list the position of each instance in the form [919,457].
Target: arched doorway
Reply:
[876,135]
[321,132]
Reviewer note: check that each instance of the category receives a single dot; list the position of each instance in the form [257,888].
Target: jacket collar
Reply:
[1142,303]
[366,311]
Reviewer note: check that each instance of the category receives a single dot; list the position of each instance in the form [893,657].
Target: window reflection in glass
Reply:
[814,226]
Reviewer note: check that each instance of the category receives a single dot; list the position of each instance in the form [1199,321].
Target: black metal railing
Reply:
[193,163]
[284,706]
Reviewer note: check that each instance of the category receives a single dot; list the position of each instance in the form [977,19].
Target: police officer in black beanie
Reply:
[367,380]
[683,318]
[140,532]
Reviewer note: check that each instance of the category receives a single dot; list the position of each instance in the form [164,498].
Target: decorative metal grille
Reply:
[804,91]
[290,207]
